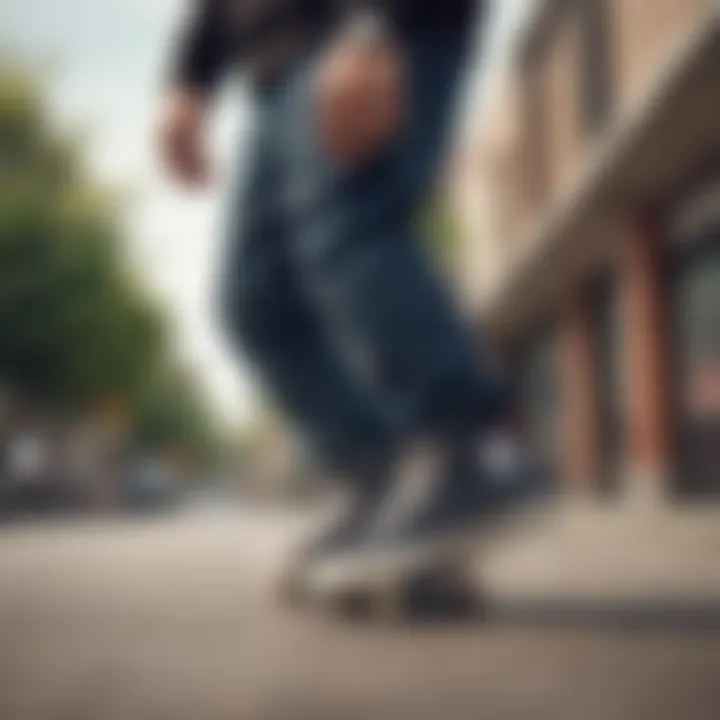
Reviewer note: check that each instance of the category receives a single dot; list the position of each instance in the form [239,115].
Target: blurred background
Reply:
[113,369]
[115,381]
[591,197]
[579,224]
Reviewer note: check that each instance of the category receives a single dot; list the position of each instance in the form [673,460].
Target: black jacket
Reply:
[224,33]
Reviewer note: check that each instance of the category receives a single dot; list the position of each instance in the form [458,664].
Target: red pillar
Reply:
[579,405]
[646,320]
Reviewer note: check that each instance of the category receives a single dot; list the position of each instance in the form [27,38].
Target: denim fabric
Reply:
[327,286]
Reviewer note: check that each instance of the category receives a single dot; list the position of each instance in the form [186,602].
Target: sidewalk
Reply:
[602,553]
[582,552]
[173,618]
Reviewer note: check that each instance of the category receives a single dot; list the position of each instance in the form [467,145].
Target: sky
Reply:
[105,61]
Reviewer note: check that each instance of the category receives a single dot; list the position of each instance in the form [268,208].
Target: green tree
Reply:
[73,325]
[76,329]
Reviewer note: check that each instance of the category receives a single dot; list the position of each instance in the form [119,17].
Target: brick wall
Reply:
[533,131]
[552,143]
[560,103]
[643,33]
[487,195]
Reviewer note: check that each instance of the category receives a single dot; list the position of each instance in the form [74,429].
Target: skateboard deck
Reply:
[441,578]
[440,584]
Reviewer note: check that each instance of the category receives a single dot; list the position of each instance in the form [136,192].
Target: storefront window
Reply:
[698,338]
[539,400]
[610,380]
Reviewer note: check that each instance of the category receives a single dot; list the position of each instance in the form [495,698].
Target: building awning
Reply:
[644,160]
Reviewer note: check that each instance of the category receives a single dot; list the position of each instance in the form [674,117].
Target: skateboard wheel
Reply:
[441,596]
[423,598]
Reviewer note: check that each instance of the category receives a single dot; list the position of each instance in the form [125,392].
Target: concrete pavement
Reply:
[172,619]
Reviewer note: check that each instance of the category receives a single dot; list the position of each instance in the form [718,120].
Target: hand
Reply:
[359,100]
[181,141]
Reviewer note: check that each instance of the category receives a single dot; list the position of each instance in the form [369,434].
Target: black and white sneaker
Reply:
[345,530]
[438,513]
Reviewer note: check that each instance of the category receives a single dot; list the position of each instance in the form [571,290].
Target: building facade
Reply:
[591,199]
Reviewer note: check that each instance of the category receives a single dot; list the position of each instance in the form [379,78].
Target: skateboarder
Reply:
[326,287]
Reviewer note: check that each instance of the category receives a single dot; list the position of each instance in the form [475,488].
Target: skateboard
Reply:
[441,584]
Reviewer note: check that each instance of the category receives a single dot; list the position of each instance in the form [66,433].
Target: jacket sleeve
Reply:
[462,12]
[203,50]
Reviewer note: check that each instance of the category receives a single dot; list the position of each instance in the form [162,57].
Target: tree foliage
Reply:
[75,326]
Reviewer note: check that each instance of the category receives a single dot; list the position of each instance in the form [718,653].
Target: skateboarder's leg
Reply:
[353,246]
[268,315]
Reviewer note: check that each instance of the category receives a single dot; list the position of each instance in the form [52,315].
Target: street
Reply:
[173,619]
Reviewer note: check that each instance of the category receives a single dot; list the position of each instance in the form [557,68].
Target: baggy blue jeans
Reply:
[327,287]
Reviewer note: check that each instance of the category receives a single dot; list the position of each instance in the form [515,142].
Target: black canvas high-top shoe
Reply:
[346,529]
[451,498]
